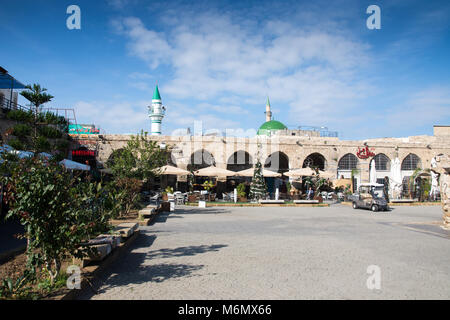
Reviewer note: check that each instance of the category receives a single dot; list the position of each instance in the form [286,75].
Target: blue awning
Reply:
[8,82]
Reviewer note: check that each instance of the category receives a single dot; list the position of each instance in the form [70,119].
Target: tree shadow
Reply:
[180,212]
[184,251]
[148,274]
[131,268]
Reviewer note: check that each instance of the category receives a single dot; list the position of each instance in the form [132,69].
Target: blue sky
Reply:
[217,61]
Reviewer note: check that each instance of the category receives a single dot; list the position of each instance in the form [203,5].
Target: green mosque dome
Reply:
[268,127]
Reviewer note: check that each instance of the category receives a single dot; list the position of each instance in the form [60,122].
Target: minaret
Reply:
[156,113]
[268,112]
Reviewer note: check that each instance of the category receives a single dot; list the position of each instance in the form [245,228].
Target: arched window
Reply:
[382,162]
[315,160]
[240,160]
[277,161]
[201,159]
[348,162]
[411,162]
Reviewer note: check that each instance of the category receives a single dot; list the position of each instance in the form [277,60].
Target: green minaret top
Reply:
[156,95]
[268,102]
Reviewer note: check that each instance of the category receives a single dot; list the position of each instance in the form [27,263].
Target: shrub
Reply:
[42,144]
[20,115]
[21,130]
[50,132]
[62,213]
[241,190]
[16,144]
[127,193]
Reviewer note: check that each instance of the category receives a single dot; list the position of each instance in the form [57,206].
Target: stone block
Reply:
[100,252]
[306,201]
[271,201]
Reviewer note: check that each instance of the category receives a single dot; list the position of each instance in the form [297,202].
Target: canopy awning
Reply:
[72,165]
[8,82]
[302,172]
[327,174]
[173,170]
[265,172]
[214,172]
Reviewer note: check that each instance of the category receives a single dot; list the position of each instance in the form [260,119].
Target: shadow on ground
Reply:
[131,270]
[184,251]
[179,213]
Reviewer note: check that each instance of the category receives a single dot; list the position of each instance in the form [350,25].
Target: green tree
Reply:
[140,159]
[134,165]
[37,96]
[57,210]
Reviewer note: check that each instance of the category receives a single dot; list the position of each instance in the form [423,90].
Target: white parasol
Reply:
[373,172]
[265,172]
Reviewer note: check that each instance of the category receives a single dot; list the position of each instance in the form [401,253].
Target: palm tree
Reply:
[37,96]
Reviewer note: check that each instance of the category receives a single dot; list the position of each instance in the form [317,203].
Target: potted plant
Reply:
[165,197]
[242,196]
[208,185]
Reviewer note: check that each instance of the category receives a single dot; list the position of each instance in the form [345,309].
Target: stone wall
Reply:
[295,148]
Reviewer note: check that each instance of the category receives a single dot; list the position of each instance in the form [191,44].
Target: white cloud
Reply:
[113,116]
[424,108]
[215,59]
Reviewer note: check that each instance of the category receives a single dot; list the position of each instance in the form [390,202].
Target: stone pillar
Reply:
[442,167]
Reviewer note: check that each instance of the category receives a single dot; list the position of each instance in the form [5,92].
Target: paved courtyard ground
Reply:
[284,253]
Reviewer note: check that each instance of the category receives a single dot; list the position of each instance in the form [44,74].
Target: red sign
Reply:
[83,153]
[364,153]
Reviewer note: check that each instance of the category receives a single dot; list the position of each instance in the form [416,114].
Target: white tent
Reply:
[23,154]
[45,155]
[373,172]
[6,148]
[396,178]
[72,165]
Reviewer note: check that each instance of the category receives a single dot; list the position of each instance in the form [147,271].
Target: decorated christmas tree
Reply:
[258,186]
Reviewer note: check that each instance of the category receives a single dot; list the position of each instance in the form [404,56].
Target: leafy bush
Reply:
[50,132]
[127,193]
[21,130]
[20,115]
[57,210]
[241,190]
[16,144]
[42,144]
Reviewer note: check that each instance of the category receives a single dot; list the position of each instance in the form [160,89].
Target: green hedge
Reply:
[50,132]
[21,130]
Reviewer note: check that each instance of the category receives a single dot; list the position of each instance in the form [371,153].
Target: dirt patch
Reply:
[14,267]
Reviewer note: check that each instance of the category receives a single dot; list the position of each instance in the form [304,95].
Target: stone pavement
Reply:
[284,253]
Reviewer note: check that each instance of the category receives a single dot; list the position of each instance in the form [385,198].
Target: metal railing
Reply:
[7,104]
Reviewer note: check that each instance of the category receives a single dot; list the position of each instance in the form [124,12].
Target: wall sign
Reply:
[364,153]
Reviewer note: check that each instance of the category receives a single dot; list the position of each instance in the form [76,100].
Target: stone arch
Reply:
[201,159]
[411,162]
[315,159]
[382,162]
[348,162]
[239,160]
[277,161]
